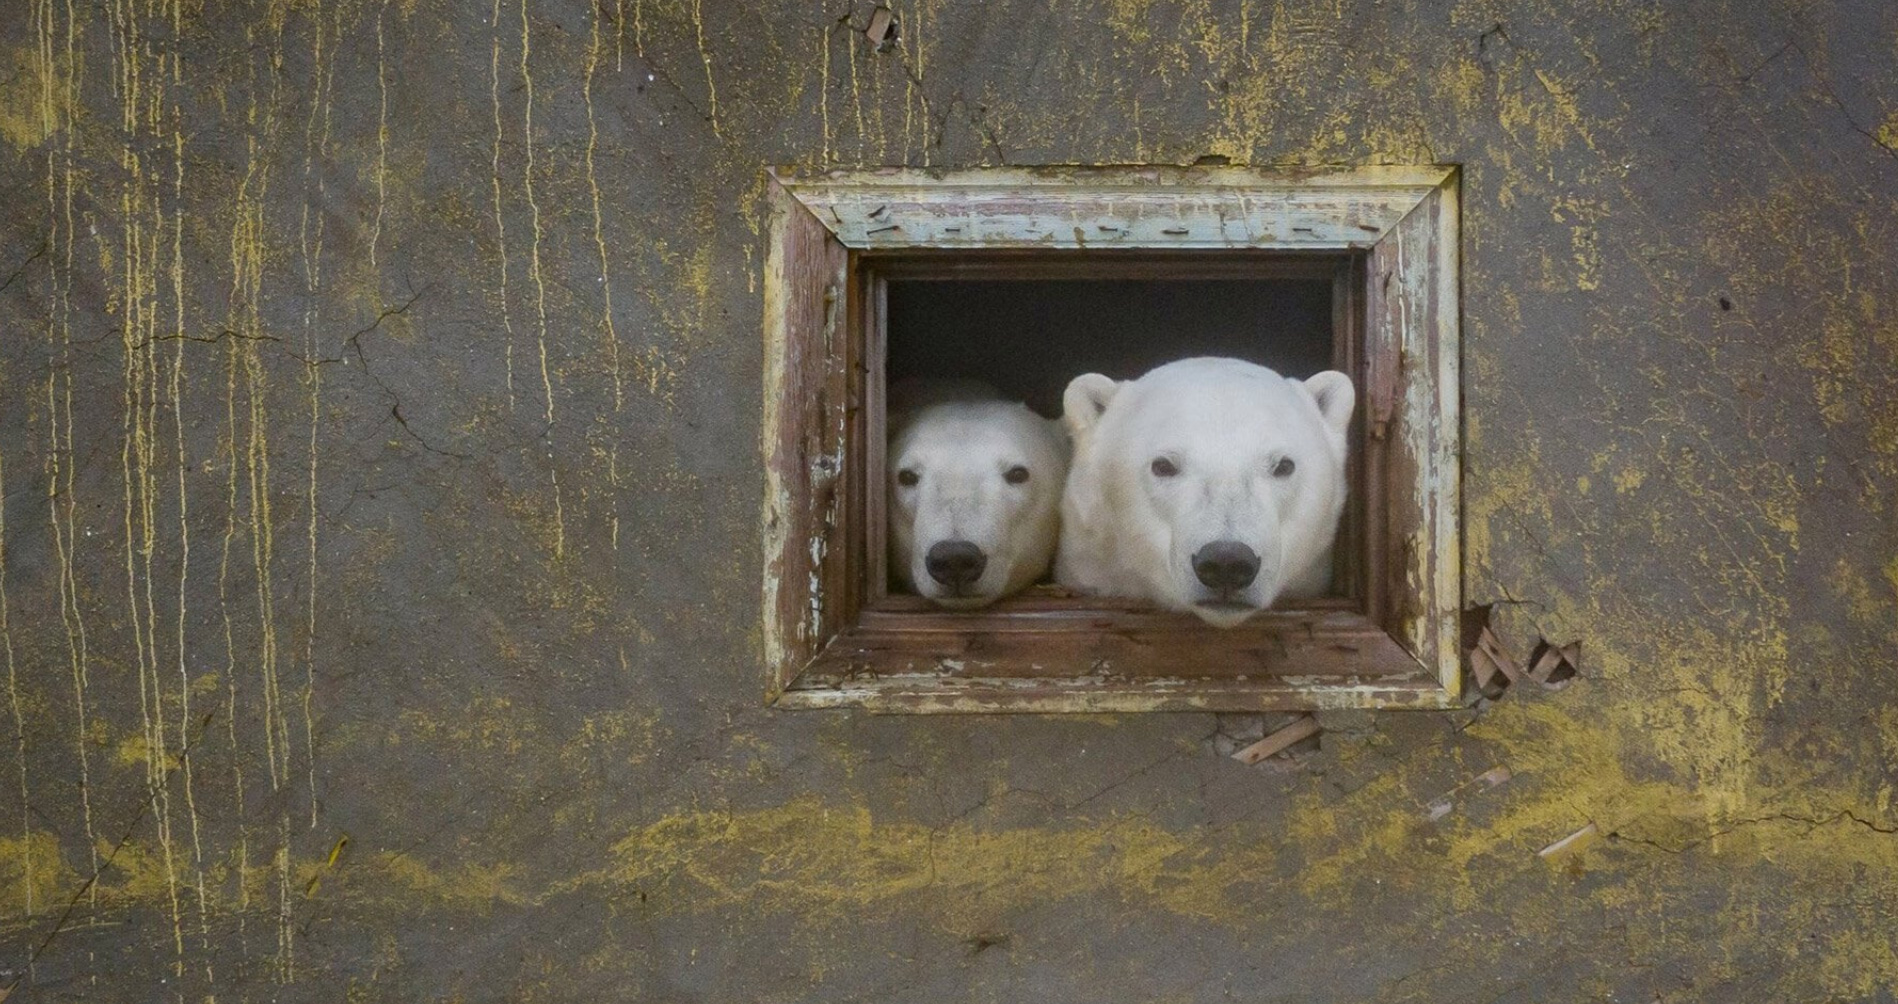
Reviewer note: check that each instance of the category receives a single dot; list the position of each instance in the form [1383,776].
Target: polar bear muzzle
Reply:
[1226,565]
[955,563]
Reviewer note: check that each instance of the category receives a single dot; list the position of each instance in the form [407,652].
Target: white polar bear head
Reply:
[1209,485]
[974,493]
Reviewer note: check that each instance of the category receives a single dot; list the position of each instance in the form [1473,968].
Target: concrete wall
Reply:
[378,445]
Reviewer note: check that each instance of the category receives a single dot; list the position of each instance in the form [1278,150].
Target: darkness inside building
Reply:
[1029,337]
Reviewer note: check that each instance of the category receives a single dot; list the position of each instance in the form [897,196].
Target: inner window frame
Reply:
[874,270]
[1384,237]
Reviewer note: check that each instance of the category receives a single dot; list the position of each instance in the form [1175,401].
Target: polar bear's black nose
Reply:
[1226,565]
[955,563]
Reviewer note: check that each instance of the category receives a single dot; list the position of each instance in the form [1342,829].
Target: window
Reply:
[873,275]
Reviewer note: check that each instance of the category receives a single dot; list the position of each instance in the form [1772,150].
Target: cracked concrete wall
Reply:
[378,445]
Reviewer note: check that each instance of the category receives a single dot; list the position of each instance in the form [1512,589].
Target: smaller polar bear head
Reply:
[1208,485]
[974,493]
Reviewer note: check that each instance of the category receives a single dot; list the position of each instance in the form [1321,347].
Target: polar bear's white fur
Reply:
[1208,485]
[973,485]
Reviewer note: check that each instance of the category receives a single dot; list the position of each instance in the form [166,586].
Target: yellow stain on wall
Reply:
[1848,345]
[1581,216]
[1509,493]
[1833,363]
[486,723]
[1870,608]
[401,880]
[135,750]
[33,101]
[137,873]
[34,876]
[1887,134]
[1654,841]
[820,859]
[1885,722]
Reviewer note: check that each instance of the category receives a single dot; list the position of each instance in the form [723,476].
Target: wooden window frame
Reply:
[1388,238]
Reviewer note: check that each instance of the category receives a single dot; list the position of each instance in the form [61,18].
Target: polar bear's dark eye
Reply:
[1016,475]
[1284,468]
[1164,468]
[907,479]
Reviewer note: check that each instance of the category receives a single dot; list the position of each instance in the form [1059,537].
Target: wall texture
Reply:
[378,444]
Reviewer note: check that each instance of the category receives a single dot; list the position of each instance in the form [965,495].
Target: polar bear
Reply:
[973,490]
[1208,485]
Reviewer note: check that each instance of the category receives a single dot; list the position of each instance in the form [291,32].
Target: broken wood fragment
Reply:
[1495,668]
[1554,666]
[1278,742]
[882,29]
[1570,845]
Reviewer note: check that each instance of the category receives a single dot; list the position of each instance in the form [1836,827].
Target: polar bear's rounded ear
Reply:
[1085,401]
[1336,398]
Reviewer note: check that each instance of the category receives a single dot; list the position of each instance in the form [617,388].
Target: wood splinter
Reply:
[1278,742]
[882,29]
[1572,844]
[1495,667]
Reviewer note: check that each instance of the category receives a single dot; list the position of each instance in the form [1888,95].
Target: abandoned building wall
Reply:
[379,422]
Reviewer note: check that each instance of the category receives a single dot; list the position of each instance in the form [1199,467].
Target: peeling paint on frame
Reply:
[1404,216]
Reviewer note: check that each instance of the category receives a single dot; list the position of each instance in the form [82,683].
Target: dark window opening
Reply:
[1030,337]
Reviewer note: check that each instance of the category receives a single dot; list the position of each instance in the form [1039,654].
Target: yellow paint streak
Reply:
[382,139]
[62,461]
[921,58]
[705,57]
[533,205]
[246,450]
[228,457]
[140,88]
[540,285]
[823,96]
[247,253]
[619,35]
[313,273]
[177,394]
[609,333]
[856,94]
[500,219]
